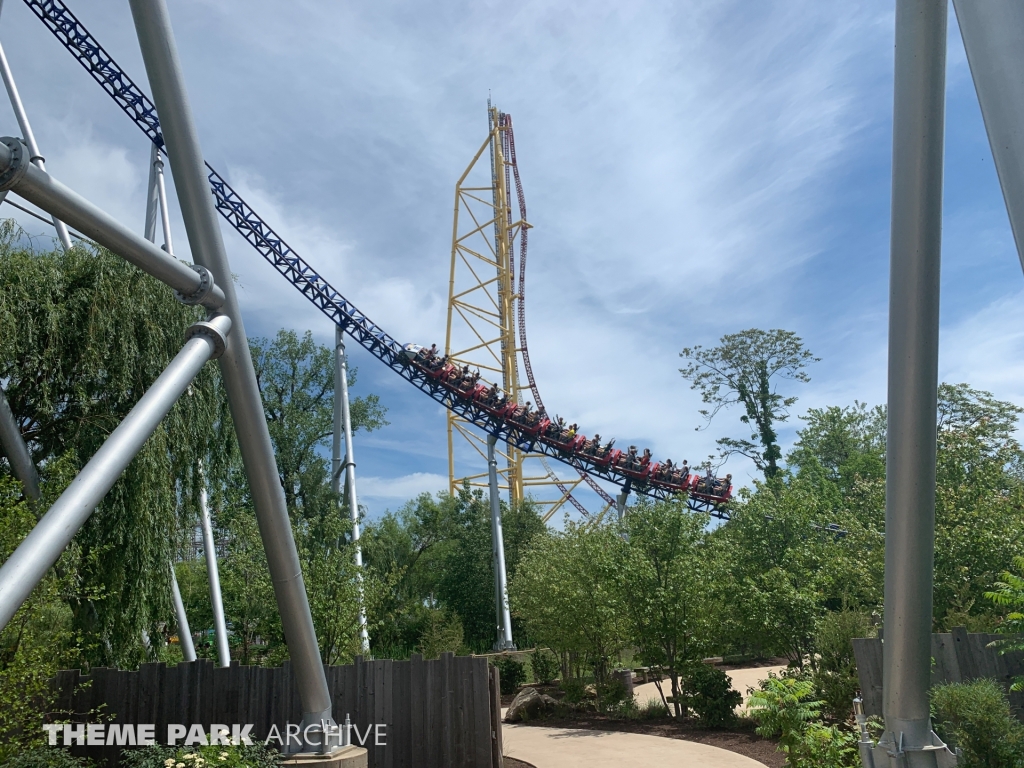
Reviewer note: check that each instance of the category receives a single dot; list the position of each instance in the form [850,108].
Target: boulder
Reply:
[529,704]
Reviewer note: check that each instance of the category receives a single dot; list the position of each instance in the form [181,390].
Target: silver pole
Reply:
[163,68]
[344,415]
[210,550]
[40,188]
[620,505]
[23,570]
[152,196]
[17,451]
[188,650]
[504,642]
[35,156]
[993,34]
[916,238]
[161,191]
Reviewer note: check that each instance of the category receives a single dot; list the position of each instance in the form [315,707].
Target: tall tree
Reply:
[667,574]
[83,335]
[745,369]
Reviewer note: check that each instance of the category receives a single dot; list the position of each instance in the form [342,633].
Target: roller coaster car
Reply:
[610,458]
[566,444]
[538,427]
[412,351]
[478,392]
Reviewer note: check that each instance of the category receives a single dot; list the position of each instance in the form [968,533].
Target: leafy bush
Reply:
[545,666]
[221,756]
[835,680]
[784,707]
[976,717]
[1009,592]
[442,633]
[46,757]
[511,673]
[574,690]
[712,697]
[613,694]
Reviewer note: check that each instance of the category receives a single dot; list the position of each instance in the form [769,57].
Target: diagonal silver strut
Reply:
[24,569]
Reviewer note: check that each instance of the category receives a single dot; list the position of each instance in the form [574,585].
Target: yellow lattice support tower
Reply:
[481,328]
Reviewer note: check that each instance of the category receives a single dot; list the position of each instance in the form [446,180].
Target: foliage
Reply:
[83,335]
[442,633]
[666,576]
[711,695]
[783,707]
[544,666]
[835,679]
[254,755]
[511,673]
[40,638]
[976,718]
[613,695]
[744,369]
[1009,592]
[567,595]
[46,757]
[574,690]
[436,551]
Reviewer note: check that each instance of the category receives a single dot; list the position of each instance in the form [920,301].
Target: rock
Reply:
[529,704]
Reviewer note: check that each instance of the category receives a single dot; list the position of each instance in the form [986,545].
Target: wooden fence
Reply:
[436,714]
[956,657]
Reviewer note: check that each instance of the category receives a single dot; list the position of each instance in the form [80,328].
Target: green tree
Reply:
[83,335]
[745,369]
[667,574]
[567,594]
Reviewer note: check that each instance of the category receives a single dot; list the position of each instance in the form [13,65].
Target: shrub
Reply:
[574,690]
[976,717]
[223,756]
[784,707]
[653,709]
[511,673]
[712,697]
[47,757]
[614,694]
[545,666]
[835,680]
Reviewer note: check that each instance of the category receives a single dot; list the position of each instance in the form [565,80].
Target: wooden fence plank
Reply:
[497,746]
[868,653]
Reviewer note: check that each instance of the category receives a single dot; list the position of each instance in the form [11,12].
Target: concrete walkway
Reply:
[742,679]
[571,748]
[577,748]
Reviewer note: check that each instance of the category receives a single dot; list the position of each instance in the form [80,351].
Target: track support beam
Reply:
[160,55]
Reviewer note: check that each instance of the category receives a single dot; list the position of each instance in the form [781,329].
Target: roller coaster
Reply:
[470,398]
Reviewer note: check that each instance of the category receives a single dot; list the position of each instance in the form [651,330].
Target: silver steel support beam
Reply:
[504,620]
[993,35]
[35,156]
[916,238]
[156,201]
[220,627]
[343,426]
[40,188]
[17,451]
[163,68]
[188,650]
[23,570]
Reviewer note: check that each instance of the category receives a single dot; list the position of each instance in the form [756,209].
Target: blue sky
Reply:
[691,169]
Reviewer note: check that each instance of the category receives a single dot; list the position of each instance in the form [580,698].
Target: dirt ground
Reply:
[511,762]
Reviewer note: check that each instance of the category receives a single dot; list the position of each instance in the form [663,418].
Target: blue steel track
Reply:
[119,86]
